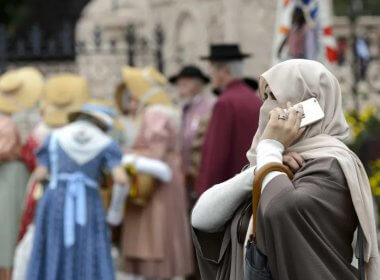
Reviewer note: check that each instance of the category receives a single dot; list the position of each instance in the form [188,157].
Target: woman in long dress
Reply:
[14,178]
[20,90]
[57,101]
[71,237]
[305,225]
[156,241]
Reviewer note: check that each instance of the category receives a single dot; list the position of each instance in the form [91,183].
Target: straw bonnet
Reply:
[107,105]
[63,94]
[144,84]
[20,89]
[102,115]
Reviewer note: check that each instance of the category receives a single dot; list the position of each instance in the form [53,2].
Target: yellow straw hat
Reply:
[63,94]
[20,89]
[144,84]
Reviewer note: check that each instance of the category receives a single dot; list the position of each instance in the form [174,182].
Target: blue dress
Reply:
[72,239]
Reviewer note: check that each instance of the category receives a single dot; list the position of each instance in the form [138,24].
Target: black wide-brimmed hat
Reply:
[225,52]
[190,71]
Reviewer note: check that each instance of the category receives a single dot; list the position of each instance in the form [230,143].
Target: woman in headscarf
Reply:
[156,241]
[305,226]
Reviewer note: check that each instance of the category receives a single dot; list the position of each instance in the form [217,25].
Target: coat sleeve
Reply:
[216,148]
[209,215]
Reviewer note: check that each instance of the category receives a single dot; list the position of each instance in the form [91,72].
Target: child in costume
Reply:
[71,239]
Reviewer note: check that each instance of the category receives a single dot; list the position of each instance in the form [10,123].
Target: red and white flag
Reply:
[304,30]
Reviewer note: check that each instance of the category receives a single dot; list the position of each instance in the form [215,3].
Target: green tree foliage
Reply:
[18,15]
[370,7]
[13,14]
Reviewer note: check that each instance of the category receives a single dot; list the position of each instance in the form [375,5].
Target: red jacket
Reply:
[232,126]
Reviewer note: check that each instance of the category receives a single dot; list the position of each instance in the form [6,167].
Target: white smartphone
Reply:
[312,111]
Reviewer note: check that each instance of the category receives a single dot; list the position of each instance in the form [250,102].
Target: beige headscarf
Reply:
[298,80]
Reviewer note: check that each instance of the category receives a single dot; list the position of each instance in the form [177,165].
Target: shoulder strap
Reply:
[257,183]
[361,253]
[53,158]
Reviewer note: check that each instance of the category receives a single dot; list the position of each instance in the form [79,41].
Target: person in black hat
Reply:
[234,118]
[197,104]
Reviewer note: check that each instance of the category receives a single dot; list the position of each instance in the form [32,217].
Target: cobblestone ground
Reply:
[122,276]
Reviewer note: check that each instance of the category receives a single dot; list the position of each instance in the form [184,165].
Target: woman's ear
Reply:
[262,86]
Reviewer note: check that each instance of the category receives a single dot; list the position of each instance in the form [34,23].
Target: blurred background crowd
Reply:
[128,56]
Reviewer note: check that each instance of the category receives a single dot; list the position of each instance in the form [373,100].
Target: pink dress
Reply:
[156,239]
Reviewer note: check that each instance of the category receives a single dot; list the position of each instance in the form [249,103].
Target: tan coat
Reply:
[305,228]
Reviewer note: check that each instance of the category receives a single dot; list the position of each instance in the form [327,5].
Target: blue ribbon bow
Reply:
[75,211]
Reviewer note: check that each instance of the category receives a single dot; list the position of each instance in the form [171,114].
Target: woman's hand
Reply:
[120,176]
[40,174]
[284,127]
[293,160]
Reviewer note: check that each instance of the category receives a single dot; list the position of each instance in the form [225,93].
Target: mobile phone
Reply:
[312,111]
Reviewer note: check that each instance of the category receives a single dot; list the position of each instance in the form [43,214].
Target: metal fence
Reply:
[35,46]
